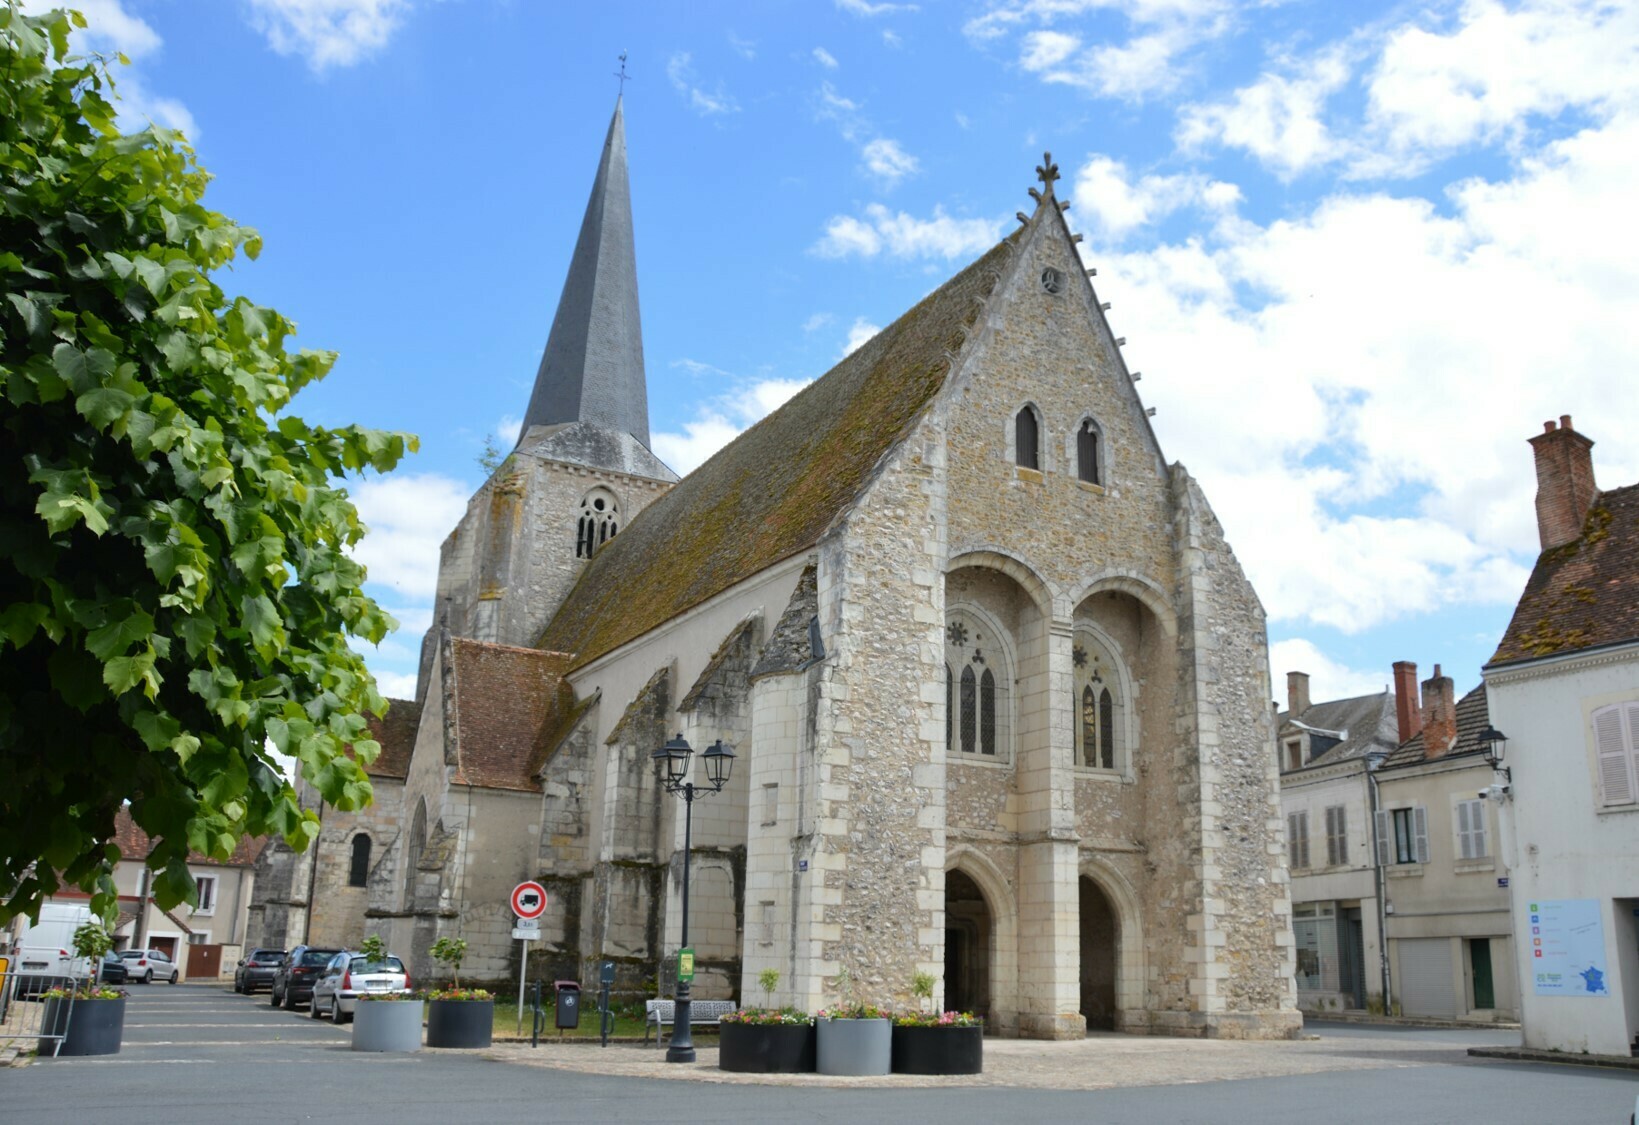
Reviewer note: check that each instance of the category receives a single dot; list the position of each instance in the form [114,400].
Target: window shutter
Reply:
[1615,765]
[1419,826]
[1477,821]
[1385,833]
[1292,840]
[1465,839]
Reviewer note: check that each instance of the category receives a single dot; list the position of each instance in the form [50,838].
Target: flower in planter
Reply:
[769,1017]
[85,990]
[854,1010]
[454,993]
[937,1019]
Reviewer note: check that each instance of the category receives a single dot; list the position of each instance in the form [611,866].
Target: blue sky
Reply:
[1360,252]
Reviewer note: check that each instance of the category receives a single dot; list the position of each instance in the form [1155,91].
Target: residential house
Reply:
[1446,902]
[1563,687]
[1326,752]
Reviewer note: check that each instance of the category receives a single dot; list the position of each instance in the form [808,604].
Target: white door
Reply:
[1425,986]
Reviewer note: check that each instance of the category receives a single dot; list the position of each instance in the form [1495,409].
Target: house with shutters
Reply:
[1563,686]
[1327,751]
[1450,948]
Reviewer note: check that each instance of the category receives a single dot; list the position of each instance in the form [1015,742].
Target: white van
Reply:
[46,949]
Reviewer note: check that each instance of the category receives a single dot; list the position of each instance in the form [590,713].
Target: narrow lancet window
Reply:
[1087,453]
[987,713]
[1106,730]
[969,706]
[1025,435]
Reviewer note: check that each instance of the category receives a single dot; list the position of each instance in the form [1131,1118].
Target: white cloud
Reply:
[1277,119]
[825,58]
[408,516]
[327,32]
[110,29]
[509,428]
[1119,204]
[745,48]
[859,333]
[707,103]
[887,161]
[816,322]
[695,367]
[1328,680]
[890,38]
[395,685]
[721,420]
[905,236]
[1161,33]
[868,9]
[1431,92]
[1365,447]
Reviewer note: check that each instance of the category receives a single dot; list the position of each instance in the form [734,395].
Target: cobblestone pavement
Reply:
[1098,1062]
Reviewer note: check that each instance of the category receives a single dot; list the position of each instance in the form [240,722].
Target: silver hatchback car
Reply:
[350,975]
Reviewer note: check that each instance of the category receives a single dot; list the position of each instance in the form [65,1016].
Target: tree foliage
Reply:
[174,588]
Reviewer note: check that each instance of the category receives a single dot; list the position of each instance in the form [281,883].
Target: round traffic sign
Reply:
[529,900]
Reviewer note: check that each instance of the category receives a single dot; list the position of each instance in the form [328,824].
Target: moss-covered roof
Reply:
[1584,594]
[510,706]
[773,491]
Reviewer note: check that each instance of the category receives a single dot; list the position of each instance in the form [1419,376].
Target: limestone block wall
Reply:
[340,910]
[780,780]
[879,815]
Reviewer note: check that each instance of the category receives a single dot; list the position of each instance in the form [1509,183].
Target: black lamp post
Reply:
[674,760]
[1495,747]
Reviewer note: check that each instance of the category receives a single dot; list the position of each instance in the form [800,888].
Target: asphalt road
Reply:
[201,1054]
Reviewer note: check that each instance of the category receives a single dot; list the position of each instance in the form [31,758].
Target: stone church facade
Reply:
[997,686]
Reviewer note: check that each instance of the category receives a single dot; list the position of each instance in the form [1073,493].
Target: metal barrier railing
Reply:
[26,1016]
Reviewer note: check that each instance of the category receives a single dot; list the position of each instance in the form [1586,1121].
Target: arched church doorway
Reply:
[1100,956]
[967,946]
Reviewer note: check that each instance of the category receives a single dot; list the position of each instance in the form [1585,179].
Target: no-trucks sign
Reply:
[529,900]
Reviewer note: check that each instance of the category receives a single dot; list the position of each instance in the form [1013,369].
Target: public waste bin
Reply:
[568,1003]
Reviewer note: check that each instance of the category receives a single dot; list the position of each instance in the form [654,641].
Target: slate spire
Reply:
[592,369]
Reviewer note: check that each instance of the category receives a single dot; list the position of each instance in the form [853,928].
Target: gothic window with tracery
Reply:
[598,522]
[976,703]
[1100,714]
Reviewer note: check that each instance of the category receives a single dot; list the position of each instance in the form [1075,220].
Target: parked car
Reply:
[349,975]
[113,970]
[148,965]
[256,971]
[293,979]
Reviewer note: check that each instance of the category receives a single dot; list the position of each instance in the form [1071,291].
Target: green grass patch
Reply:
[506,1022]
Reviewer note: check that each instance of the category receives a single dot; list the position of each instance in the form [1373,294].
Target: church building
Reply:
[996,686]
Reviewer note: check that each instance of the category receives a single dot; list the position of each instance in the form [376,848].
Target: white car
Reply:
[350,975]
[149,965]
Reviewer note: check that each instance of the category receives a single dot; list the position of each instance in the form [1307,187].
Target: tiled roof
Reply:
[396,733]
[135,844]
[1473,716]
[1584,594]
[510,704]
[774,490]
[1368,721]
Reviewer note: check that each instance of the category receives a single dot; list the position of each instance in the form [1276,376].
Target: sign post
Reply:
[528,903]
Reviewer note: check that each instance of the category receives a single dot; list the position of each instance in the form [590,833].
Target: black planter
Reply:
[774,1048]
[93,1027]
[938,1050]
[460,1023]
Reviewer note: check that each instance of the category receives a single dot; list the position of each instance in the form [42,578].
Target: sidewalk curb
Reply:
[1367,1020]
[1527,1054]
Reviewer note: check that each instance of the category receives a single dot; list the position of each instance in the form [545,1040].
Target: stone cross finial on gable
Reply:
[1047,172]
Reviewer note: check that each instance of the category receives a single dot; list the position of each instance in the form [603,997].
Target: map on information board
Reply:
[1567,947]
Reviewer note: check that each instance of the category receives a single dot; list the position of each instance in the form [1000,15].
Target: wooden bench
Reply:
[661,1014]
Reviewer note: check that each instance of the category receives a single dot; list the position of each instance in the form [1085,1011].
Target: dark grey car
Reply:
[255,972]
[293,979]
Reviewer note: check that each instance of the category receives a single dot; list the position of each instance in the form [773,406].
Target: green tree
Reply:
[174,589]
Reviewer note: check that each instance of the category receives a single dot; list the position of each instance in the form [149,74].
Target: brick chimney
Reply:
[1565,486]
[1408,706]
[1297,693]
[1439,715]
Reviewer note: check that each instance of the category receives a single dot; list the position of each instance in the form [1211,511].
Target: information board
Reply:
[1567,939]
